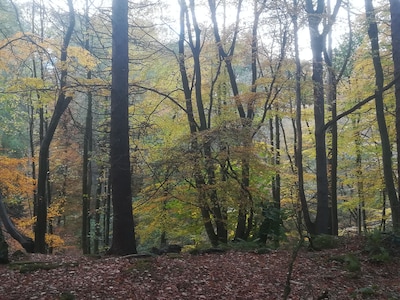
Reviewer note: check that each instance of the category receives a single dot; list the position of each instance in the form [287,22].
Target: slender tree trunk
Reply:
[299,132]
[123,241]
[380,116]
[87,175]
[62,103]
[97,226]
[87,153]
[333,136]
[277,222]
[360,184]
[107,205]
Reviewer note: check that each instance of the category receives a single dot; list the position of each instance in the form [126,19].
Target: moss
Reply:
[324,241]
[350,262]
[31,266]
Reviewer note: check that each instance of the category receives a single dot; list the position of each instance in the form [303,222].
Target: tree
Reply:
[123,241]
[3,248]
[380,115]
[395,33]
[62,103]
[318,39]
[87,151]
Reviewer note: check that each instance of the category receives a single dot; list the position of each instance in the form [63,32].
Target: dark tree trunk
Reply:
[317,46]
[380,116]
[333,138]
[395,25]
[123,241]
[62,103]
[107,213]
[87,176]
[3,248]
[87,153]
[97,226]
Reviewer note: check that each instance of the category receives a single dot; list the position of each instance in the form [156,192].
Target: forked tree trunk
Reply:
[62,103]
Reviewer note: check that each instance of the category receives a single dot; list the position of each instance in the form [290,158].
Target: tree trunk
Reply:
[380,116]
[299,131]
[123,241]
[62,103]
[107,214]
[3,248]
[87,153]
[87,176]
[317,46]
[333,135]
[395,25]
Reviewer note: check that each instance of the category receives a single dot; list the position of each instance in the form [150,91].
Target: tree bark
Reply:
[123,241]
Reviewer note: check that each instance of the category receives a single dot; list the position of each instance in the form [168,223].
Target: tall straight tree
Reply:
[123,241]
[395,25]
[61,105]
[380,115]
[316,14]
[87,152]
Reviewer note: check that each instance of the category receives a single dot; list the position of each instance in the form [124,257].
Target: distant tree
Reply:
[123,237]
[87,151]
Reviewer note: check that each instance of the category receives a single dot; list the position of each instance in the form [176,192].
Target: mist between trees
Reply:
[145,123]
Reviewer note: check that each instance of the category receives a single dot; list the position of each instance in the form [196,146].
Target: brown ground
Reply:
[232,275]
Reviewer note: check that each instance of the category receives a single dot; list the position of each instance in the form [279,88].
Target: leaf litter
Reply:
[230,275]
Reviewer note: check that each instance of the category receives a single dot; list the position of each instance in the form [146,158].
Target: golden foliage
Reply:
[13,178]
[54,240]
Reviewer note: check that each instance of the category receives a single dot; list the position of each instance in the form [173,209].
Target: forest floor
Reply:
[346,272]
